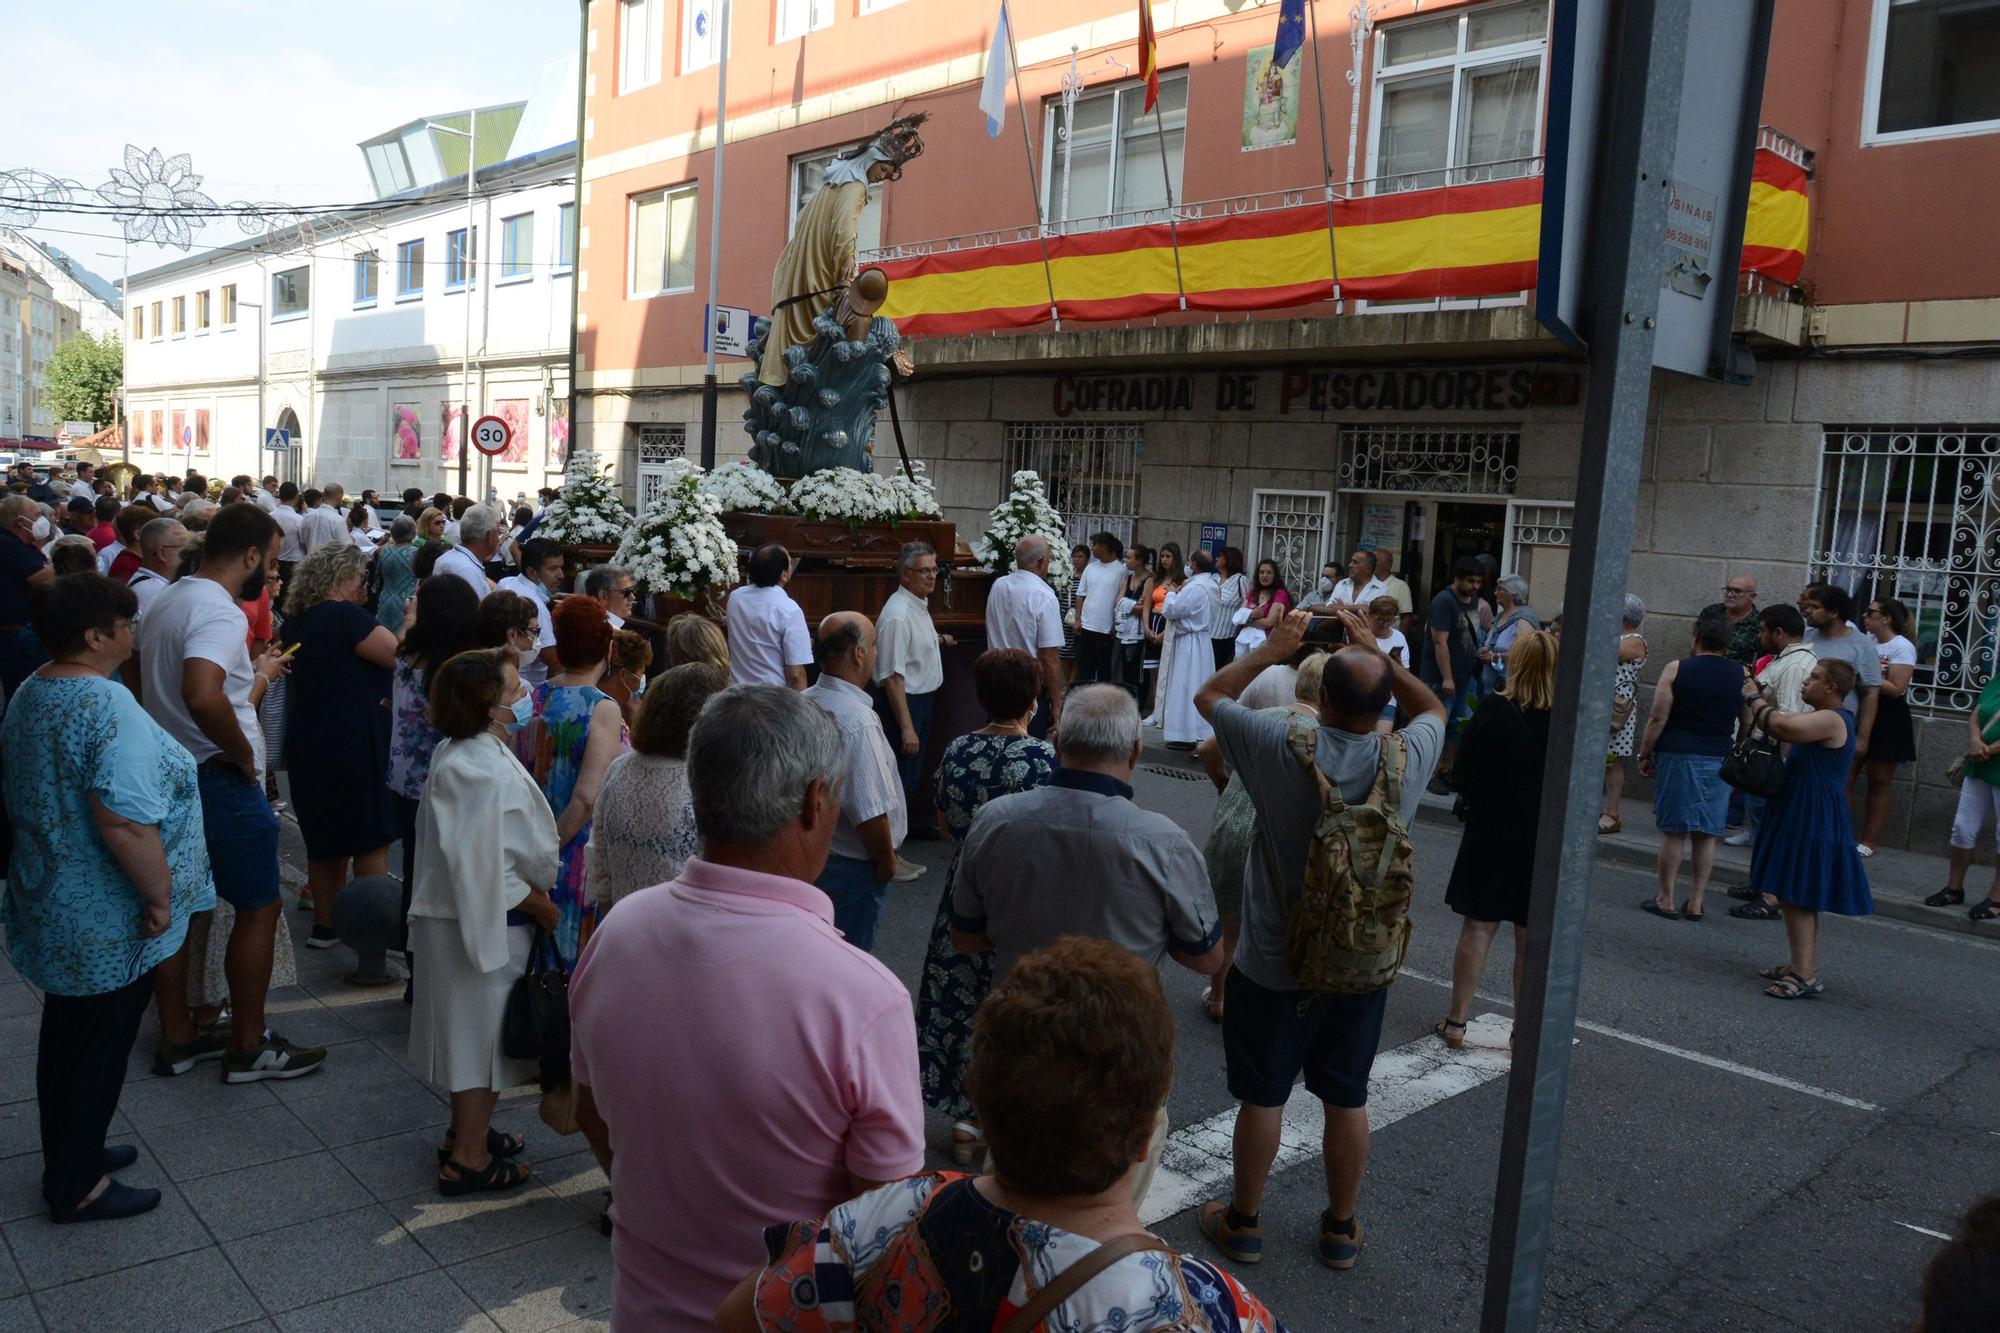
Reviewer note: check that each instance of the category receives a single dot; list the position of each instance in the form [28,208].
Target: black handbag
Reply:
[535,1025]
[1754,767]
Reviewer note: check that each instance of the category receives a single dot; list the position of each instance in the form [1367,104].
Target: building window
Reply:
[517,246]
[1091,471]
[291,293]
[1933,70]
[701,34]
[138,322]
[658,446]
[460,259]
[410,269]
[662,252]
[877,6]
[201,311]
[796,18]
[228,305]
[1459,98]
[641,39]
[1908,513]
[1429,460]
[159,321]
[565,237]
[808,173]
[180,315]
[367,277]
[1103,167]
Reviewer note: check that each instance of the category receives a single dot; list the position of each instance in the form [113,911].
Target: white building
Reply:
[364,323]
[30,324]
[95,300]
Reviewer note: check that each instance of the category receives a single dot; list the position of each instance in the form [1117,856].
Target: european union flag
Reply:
[1291,33]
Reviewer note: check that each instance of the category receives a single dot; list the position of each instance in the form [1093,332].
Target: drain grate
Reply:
[1180,774]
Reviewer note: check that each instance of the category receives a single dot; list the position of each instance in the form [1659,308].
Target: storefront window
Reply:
[1091,471]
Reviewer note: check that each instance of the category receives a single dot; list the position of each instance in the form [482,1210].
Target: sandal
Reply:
[966,1142]
[1945,897]
[1776,973]
[500,1174]
[1792,986]
[1986,911]
[1443,1030]
[1759,910]
[500,1145]
[1609,824]
[1689,914]
[1743,893]
[1653,905]
[1211,1004]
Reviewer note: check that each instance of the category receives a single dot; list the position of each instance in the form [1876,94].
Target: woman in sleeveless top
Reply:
[1625,694]
[1132,647]
[1805,851]
[1893,740]
[1167,577]
[1692,724]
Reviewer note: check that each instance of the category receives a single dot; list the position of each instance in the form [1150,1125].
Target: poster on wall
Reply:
[1270,101]
[558,433]
[513,411]
[407,434]
[138,426]
[201,430]
[454,417]
[180,438]
[1382,527]
[157,433]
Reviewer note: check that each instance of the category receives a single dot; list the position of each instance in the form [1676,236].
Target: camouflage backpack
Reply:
[1349,929]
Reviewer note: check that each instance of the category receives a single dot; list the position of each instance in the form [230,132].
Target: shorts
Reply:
[1269,1036]
[241,830]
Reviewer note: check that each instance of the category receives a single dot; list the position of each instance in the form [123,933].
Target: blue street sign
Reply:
[277,439]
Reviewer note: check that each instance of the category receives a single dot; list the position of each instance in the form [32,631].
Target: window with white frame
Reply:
[877,6]
[642,39]
[410,268]
[460,258]
[367,277]
[701,34]
[291,293]
[517,246]
[1933,70]
[809,173]
[180,315]
[228,305]
[138,322]
[1458,97]
[661,257]
[1091,470]
[201,311]
[658,447]
[565,237]
[796,18]
[159,320]
[1105,156]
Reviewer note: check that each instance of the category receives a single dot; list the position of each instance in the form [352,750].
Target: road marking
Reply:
[1923,1231]
[1195,1164]
[1713,1062]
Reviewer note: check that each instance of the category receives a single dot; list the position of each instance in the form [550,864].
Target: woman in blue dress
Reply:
[1805,851]
[997,760]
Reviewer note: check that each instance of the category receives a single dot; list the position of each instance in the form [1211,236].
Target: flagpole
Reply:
[1034,179]
[1167,178]
[1325,155]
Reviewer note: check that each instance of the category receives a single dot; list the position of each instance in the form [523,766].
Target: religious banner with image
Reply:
[201,430]
[180,435]
[159,432]
[1270,101]
[558,433]
[513,411]
[407,429]
[454,418]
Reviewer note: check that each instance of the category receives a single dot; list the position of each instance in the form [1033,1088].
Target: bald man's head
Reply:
[1032,553]
[1354,689]
[845,648]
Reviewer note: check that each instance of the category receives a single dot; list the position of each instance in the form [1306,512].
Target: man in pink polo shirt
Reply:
[737,1062]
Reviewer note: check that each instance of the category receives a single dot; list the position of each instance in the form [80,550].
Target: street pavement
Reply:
[1729,1161]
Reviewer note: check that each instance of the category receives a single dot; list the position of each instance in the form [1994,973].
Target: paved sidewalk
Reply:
[301,1205]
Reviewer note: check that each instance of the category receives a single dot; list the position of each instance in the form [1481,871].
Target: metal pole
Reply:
[1325,156]
[1642,120]
[709,406]
[576,225]
[124,343]
[1034,178]
[465,354]
[1173,214]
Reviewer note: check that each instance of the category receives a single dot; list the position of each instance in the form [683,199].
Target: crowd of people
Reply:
[712,844]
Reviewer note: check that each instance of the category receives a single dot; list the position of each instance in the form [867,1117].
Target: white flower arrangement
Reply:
[745,488]
[844,495]
[1025,512]
[588,508]
[913,494]
[678,547]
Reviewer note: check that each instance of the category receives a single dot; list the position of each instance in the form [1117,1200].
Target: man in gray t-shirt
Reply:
[1270,1033]
[1828,611]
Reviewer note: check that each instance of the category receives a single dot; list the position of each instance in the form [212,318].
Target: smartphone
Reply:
[289,651]
[1325,629]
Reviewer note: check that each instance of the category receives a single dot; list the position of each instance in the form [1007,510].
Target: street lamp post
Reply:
[258,306]
[708,399]
[471,137]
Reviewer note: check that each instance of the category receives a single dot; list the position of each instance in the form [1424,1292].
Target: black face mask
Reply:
[252,589]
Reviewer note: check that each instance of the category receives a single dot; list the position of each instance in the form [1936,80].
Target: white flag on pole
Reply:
[993,94]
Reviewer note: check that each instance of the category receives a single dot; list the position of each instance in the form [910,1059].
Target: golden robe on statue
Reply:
[818,259]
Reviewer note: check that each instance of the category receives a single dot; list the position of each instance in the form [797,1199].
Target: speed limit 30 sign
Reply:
[490,435]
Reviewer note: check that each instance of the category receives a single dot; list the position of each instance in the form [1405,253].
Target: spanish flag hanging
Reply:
[1149,54]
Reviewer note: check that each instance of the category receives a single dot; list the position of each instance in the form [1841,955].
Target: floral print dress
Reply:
[972,771]
[552,749]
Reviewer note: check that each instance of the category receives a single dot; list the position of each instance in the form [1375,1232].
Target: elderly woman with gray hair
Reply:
[1624,713]
[1510,593]
[337,726]
[395,573]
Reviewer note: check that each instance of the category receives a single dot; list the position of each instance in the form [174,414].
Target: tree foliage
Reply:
[83,378]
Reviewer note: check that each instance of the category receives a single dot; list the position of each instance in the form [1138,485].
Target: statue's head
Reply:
[894,146]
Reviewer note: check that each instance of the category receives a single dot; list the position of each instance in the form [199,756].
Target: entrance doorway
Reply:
[1462,530]
[287,461]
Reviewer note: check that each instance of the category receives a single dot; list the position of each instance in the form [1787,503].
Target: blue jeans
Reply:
[909,767]
[857,898]
[242,835]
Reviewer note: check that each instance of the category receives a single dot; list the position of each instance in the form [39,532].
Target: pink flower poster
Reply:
[201,430]
[454,420]
[558,434]
[409,433]
[158,434]
[514,411]
[180,435]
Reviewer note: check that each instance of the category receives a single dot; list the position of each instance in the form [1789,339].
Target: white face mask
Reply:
[1325,587]
[41,529]
[1187,570]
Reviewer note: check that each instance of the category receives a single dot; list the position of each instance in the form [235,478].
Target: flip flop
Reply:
[1653,905]
[1687,915]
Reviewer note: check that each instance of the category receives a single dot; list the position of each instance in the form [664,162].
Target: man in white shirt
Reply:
[768,643]
[161,542]
[368,501]
[266,495]
[324,523]
[611,586]
[1360,587]
[1780,634]
[1021,613]
[288,518]
[908,670]
[85,485]
[481,532]
[1097,594]
[873,818]
[541,574]
[201,687]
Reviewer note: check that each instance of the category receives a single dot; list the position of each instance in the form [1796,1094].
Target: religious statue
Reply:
[825,358]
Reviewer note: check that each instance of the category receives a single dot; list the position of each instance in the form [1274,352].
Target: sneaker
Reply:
[305,900]
[172,1059]
[1243,1244]
[322,937]
[276,1058]
[1338,1249]
[908,870]
[1740,838]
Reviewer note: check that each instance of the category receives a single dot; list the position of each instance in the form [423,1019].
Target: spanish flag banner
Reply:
[1149,55]
[1460,241]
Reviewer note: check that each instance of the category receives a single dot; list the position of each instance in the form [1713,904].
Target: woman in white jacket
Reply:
[486,853]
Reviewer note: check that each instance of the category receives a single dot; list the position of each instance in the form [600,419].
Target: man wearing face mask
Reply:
[23,531]
[1322,595]
[201,686]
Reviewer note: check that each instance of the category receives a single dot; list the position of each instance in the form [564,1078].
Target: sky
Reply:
[269,97]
